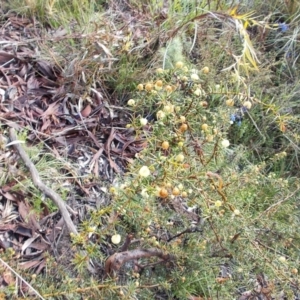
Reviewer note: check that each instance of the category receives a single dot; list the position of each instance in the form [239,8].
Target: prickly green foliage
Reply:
[239,200]
[208,150]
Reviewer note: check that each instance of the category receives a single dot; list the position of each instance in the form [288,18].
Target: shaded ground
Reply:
[84,128]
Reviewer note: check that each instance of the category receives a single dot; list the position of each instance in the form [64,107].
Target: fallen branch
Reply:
[41,186]
[117,260]
[188,230]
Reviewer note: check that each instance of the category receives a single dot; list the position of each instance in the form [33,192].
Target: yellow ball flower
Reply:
[218,203]
[247,104]
[160,114]
[165,145]
[163,193]
[180,157]
[176,191]
[183,127]
[169,108]
[204,127]
[229,102]
[168,88]
[149,87]
[158,85]
[205,70]
[182,119]
[179,65]
[184,194]
[210,138]
[140,87]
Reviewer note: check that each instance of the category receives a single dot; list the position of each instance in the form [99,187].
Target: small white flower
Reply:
[198,92]
[217,87]
[143,121]
[237,212]
[282,259]
[225,143]
[144,171]
[116,239]
[131,102]
[144,194]
[194,77]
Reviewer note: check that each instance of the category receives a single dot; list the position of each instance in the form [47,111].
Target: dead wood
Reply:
[114,263]
[42,187]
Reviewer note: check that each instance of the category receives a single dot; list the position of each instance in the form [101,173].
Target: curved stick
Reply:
[41,186]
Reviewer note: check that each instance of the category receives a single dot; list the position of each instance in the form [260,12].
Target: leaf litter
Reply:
[84,127]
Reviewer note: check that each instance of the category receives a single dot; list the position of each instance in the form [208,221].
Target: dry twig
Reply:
[41,186]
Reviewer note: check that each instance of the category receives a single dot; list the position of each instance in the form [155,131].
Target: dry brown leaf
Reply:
[7,227]
[46,69]
[23,231]
[8,196]
[107,148]
[5,57]
[60,32]
[221,280]
[51,110]
[86,111]
[32,83]
[30,264]
[8,277]
[28,215]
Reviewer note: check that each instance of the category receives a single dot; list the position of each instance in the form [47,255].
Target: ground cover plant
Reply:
[149,150]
